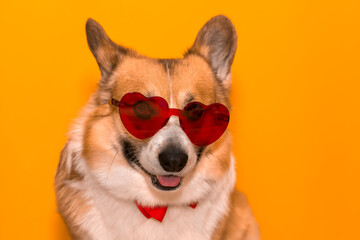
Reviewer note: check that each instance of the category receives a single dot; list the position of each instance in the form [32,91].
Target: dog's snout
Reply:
[173,159]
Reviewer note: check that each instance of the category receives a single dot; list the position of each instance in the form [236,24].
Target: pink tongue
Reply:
[169,181]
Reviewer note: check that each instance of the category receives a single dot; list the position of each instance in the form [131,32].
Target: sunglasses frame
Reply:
[175,112]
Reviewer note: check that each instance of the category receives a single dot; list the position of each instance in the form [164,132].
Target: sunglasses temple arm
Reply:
[114,102]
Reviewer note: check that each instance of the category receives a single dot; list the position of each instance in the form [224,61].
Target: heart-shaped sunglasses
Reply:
[143,117]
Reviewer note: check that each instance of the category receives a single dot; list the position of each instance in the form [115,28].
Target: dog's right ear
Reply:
[216,42]
[106,52]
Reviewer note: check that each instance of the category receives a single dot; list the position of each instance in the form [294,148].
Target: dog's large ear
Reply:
[216,42]
[106,52]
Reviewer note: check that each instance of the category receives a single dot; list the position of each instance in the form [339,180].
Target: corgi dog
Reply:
[150,156]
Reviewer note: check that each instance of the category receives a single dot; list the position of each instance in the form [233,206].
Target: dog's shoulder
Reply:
[239,223]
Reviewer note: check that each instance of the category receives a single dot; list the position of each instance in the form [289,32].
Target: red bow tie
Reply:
[157,213]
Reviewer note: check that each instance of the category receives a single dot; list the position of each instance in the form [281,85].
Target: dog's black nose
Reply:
[173,159]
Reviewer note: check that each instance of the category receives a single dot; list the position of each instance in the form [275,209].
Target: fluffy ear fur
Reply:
[106,52]
[216,42]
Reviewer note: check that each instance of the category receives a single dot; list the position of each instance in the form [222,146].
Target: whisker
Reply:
[107,176]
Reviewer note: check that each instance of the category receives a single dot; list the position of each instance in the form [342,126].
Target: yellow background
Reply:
[296,97]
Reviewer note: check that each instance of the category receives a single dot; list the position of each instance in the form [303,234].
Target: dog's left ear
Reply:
[106,52]
[216,42]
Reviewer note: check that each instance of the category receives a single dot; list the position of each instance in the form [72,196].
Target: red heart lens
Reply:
[204,124]
[143,117]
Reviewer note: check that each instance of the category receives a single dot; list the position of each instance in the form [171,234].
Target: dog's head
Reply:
[166,167]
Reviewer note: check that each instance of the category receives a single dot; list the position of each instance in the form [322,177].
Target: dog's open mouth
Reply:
[167,183]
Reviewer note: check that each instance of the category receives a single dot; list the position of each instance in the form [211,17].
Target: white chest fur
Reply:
[111,218]
[180,222]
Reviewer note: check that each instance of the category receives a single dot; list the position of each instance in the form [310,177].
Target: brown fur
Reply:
[238,223]
[71,201]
